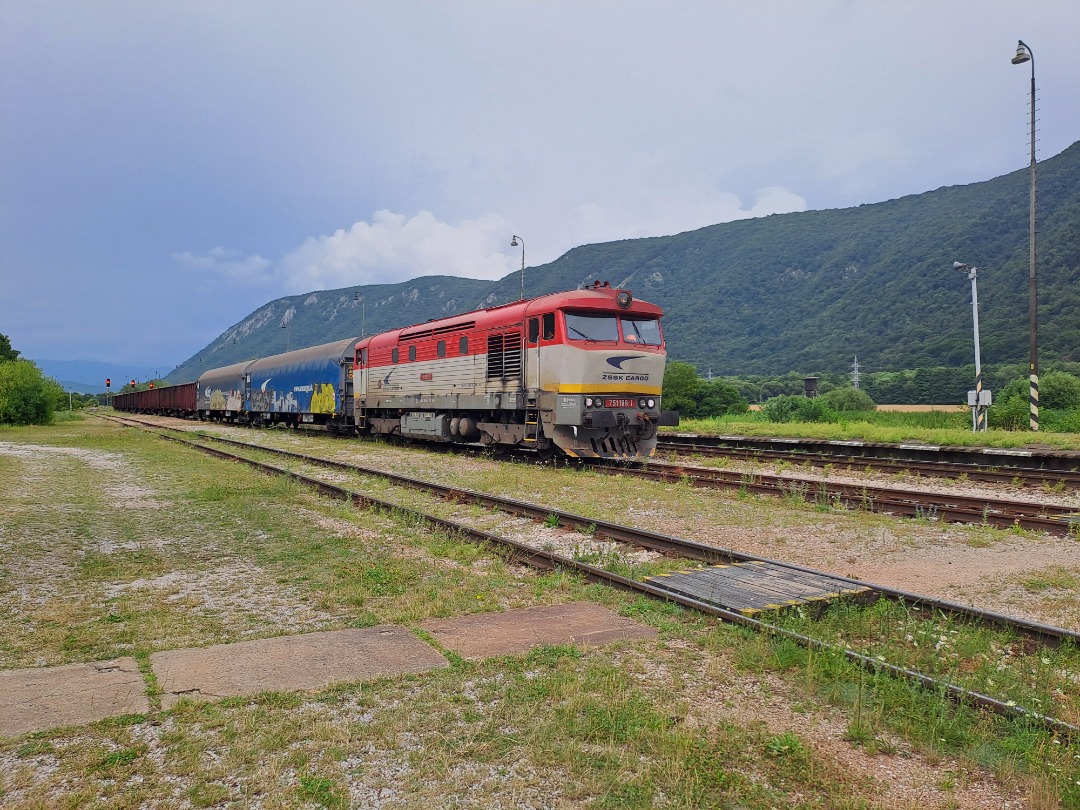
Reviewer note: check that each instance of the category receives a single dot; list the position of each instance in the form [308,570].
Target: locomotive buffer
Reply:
[755,586]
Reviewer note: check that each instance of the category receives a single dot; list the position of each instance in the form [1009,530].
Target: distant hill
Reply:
[88,377]
[805,291]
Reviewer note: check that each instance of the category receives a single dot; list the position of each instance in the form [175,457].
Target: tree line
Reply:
[784,398]
[28,397]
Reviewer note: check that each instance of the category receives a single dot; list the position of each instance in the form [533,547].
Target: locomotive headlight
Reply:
[588,402]
[652,404]
[641,403]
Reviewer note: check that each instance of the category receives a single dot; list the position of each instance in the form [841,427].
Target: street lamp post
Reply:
[363,312]
[977,399]
[1025,54]
[514,243]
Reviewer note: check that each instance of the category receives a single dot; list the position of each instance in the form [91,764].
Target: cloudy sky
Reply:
[167,167]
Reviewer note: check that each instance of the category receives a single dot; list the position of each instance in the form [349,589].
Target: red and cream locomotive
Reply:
[576,372]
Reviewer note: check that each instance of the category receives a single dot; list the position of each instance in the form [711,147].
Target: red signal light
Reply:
[151,385]
[108,382]
[132,383]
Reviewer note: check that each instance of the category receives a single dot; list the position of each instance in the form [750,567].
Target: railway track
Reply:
[950,507]
[1042,469]
[684,549]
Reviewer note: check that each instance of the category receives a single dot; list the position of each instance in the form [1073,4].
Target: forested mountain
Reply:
[789,292]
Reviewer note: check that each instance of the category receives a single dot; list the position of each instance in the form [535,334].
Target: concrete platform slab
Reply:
[516,631]
[50,697]
[309,661]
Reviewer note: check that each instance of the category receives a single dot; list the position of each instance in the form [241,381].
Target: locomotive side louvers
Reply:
[504,357]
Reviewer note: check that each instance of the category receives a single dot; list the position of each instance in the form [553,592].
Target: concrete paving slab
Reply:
[309,661]
[70,695]
[516,631]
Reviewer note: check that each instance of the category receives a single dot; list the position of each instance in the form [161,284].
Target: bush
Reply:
[1059,421]
[681,387]
[1058,390]
[27,397]
[797,409]
[718,398]
[848,399]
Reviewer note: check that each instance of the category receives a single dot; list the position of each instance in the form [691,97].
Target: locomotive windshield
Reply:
[592,327]
[639,331]
[642,331]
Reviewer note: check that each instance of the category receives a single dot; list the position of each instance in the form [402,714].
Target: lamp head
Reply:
[1023,54]
[514,242]
[959,266]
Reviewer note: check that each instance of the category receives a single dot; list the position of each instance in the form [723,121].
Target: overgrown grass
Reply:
[974,656]
[930,427]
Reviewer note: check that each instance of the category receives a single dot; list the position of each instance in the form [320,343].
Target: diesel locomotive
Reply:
[577,373]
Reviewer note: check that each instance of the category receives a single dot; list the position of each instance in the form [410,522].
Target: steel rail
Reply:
[912,503]
[550,561]
[1021,458]
[1026,476]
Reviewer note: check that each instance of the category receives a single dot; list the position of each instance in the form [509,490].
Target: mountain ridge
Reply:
[798,291]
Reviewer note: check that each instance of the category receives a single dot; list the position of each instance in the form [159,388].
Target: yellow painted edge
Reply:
[609,388]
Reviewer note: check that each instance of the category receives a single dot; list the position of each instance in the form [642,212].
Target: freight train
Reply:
[577,373]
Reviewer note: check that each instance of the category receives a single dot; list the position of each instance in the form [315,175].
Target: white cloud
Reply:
[228,263]
[389,249]
[394,248]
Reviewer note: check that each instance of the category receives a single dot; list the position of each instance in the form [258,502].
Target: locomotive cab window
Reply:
[412,352]
[592,327]
[394,355]
[463,346]
[440,349]
[549,326]
[642,331]
[547,331]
